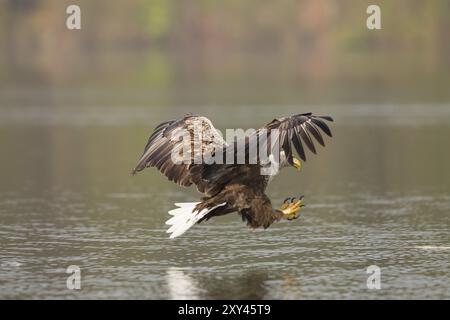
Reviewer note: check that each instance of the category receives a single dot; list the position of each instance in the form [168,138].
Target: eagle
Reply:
[232,174]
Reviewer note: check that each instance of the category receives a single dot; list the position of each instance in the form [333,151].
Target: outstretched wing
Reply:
[187,139]
[292,133]
[169,139]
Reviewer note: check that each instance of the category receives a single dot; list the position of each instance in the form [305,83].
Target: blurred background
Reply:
[77,106]
[169,52]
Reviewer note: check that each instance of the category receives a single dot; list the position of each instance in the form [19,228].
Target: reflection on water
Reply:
[188,284]
[379,193]
[181,285]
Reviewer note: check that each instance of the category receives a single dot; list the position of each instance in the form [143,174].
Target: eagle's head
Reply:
[272,168]
[284,161]
[297,164]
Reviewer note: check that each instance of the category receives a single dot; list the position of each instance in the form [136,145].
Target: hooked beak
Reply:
[297,164]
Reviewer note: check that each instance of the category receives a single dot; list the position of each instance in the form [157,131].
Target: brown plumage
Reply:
[240,186]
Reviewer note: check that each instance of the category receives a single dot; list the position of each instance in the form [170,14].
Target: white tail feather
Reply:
[183,217]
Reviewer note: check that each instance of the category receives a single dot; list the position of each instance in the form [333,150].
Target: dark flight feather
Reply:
[210,179]
[298,130]
[315,133]
[298,144]
[322,125]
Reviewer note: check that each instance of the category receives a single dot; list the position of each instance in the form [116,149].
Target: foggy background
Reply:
[168,52]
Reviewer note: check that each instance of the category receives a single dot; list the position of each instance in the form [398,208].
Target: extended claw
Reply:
[290,207]
[286,203]
[287,199]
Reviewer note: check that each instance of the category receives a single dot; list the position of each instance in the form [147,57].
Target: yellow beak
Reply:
[297,164]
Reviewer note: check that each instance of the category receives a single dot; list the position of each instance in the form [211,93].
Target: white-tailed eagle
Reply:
[229,185]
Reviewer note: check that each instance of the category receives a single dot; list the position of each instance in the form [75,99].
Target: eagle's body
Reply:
[229,187]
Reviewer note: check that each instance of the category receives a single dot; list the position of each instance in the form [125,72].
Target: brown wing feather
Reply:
[166,141]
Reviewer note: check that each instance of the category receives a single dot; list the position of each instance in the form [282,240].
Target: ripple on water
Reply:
[324,254]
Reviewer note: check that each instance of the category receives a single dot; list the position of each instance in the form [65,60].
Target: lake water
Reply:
[378,194]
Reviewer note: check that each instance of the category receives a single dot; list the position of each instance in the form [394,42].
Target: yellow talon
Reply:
[290,209]
[285,205]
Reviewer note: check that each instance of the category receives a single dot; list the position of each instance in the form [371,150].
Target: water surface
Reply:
[378,194]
